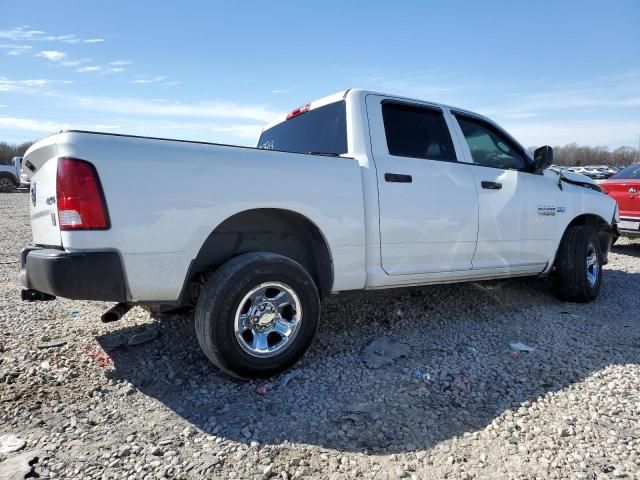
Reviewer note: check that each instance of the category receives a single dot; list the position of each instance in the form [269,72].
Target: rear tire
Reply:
[578,268]
[257,315]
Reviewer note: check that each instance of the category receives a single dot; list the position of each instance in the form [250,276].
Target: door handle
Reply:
[491,185]
[397,178]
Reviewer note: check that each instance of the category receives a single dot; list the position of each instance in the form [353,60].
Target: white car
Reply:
[358,190]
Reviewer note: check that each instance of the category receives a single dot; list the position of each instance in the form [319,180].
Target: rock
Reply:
[18,467]
[124,451]
[11,443]
[382,352]
[401,473]
[208,461]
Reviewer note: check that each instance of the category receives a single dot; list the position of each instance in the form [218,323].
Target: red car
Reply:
[624,187]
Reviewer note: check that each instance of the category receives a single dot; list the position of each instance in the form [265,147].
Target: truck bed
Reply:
[165,197]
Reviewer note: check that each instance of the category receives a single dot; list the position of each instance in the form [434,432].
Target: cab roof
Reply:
[361,93]
[342,95]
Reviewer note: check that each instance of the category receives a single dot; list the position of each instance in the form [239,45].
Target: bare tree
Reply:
[8,151]
[576,155]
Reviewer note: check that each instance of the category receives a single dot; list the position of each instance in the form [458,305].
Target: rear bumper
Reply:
[74,275]
[626,232]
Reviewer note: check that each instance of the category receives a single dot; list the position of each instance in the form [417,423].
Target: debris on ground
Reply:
[521,347]
[104,359]
[383,352]
[292,375]
[11,443]
[422,375]
[18,467]
[59,342]
[145,336]
[264,389]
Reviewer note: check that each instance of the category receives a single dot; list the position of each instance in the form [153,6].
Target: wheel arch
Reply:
[605,232]
[274,230]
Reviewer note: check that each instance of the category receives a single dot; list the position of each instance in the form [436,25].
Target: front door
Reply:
[517,208]
[427,199]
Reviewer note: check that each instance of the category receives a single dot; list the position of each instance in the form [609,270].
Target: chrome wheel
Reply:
[593,267]
[268,319]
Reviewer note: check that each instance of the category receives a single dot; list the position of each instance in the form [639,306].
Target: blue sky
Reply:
[548,71]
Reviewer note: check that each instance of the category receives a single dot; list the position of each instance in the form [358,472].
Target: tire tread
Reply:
[570,276]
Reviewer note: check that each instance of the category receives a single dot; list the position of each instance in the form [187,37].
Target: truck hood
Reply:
[578,179]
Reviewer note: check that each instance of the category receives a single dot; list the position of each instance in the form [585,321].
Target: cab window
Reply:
[417,132]
[489,147]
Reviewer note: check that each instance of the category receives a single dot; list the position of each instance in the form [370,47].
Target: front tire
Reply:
[578,268]
[257,315]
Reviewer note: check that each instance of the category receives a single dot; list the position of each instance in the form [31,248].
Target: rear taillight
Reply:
[79,196]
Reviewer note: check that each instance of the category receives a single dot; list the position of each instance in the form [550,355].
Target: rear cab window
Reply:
[321,130]
[417,132]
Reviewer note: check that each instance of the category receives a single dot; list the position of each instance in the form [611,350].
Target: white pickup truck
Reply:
[358,190]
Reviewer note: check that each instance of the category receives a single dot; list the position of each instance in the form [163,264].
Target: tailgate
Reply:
[40,164]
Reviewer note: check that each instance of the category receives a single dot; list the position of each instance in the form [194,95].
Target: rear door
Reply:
[427,199]
[517,209]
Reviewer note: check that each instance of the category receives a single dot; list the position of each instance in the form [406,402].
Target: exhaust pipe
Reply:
[31,295]
[116,312]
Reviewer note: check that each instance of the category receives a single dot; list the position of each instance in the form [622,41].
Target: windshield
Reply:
[632,172]
[321,130]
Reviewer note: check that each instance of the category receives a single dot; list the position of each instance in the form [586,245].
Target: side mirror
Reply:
[542,158]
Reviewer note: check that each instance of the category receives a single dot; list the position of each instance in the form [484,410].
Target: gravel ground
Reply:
[136,399]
